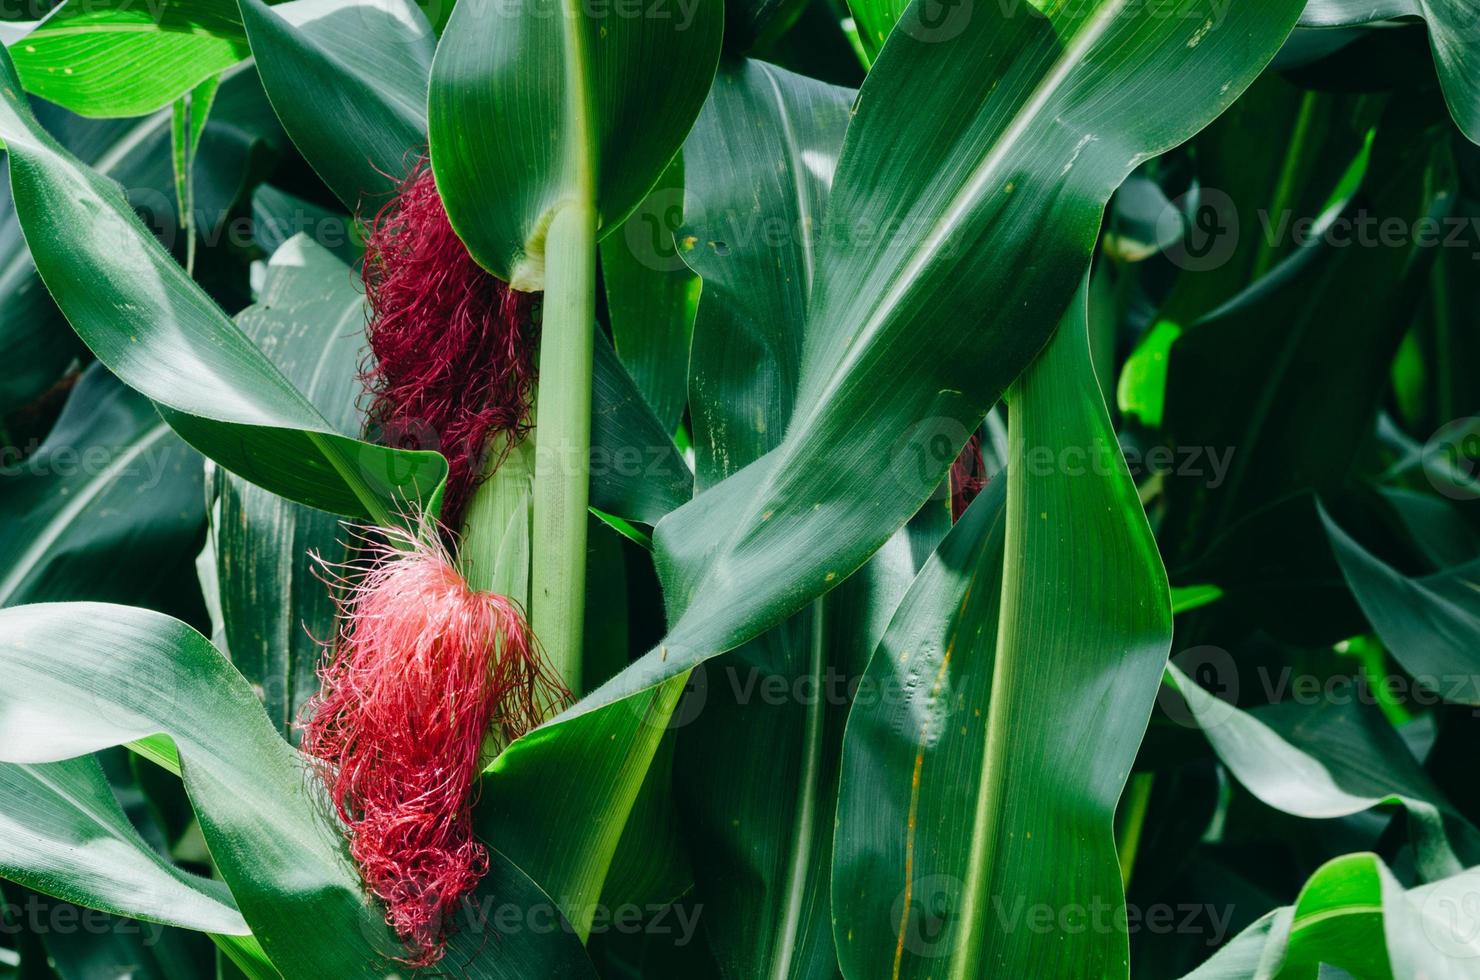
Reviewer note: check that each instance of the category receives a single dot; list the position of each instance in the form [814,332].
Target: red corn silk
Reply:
[423,667]
[968,476]
[452,348]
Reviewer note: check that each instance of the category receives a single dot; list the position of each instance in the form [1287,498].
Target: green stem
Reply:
[563,440]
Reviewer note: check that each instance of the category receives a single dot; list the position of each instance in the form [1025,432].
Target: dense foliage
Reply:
[740,489]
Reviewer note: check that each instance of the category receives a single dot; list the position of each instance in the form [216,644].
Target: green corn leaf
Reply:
[762,156]
[1329,760]
[533,106]
[968,798]
[87,676]
[155,329]
[757,773]
[106,508]
[308,320]
[1430,623]
[349,81]
[652,298]
[34,338]
[1354,915]
[88,56]
[905,330]
[64,834]
[1454,27]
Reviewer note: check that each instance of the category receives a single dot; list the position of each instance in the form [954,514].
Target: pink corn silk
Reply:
[968,477]
[452,348]
[423,667]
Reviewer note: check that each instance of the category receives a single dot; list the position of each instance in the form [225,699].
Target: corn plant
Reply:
[760,490]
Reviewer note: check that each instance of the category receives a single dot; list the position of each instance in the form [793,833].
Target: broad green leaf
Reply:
[1313,340]
[651,298]
[86,676]
[907,346]
[596,765]
[34,337]
[111,946]
[1454,28]
[533,106]
[1303,342]
[1430,623]
[1330,760]
[969,798]
[758,772]
[760,160]
[91,57]
[276,612]
[1354,915]
[63,833]
[349,81]
[107,508]
[907,329]
[636,471]
[162,335]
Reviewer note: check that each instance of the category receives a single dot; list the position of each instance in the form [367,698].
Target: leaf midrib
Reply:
[1090,33]
[805,818]
[799,185]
